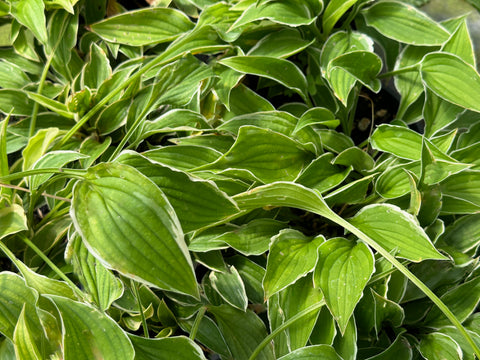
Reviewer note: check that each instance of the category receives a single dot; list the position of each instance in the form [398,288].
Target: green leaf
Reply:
[351,193]
[243,332]
[12,76]
[100,283]
[279,121]
[177,347]
[464,233]
[400,349]
[404,23]
[334,11]
[113,116]
[438,113]
[451,78]
[395,230]
[285,12]
[198,203]
[30,13]
[324,352]
[13,220]
[183,157]
[461,300]
[283,71]
[97,69]
[464,186]
[119,211]
[89,333]
[438,346]
[292,255]
[252,275]
[266,154]
[148,26]
[37,146]
[360,160]
[460,44]
[281,44]
[25,346]
[229,286]
[65,4]
[53,105]
[15,102]
[342,271]
[346,344]
[467,350]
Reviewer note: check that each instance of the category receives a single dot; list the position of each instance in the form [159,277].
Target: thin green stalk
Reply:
[140,308]
[36,106]
[429,293]
[284,326]
[54,267]
[196,323]
[399,71]
[21,174]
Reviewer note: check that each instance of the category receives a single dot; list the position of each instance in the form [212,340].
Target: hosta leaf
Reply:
[324,352]
[285,12]
[15,295]
[334,11]
[438,113]
[25,346]
[292,255]
[13,220]
[197,202]
[97,69]
[460,44]
[467,350]
[12,76]
[438,346]
[143,27]
[15,102]
[464,233]
[400,349]
[342,271]
[267,154]
[280,70]
[452,79]
[37,146]
[229,286]
[183,157]
[278,121]
[346,345]
[53,105]
[119,211]
[243,332]
[404,23]
[281,44]
[464,186]
[462,301]
[30,13]
[252,275]
[317,116]
[178,347]
[395,230]
[90,333]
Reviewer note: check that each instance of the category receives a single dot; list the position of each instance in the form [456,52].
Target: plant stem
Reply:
[54,267]
[36,106]
[21,174]
[196,323]
[399,71]
[140,308]
[284,326]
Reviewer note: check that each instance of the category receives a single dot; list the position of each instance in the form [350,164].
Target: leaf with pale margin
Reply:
[292,255]
[438,346]
[342,272]
[404,23]
[324,352]
[143,27]
[128,224]
[452,79]
[334,11]
[230,287]
[395,230]
[177,347]
[13,220]
[89,333]
[31,13]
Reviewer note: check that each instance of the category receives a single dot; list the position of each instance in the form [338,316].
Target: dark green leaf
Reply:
[178,347]
[438,346]
[325,352]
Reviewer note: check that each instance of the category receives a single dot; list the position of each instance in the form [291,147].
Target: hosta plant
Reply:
[194,179]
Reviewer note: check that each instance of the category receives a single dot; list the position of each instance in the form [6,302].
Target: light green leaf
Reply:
[243,332]
[280,70]
[266,154]
[37,146]
[183,157]
[198,203]
[346,345]
[25,346]
[464,186]
[342,271]
[90,333]
[335,141]
[53,105]
[286,12]
[118,211]
[292,255]
[12,76]
[438,113]
[175,120]
[357,158]
[395,230]
[243,100]
[52,159]
[229,286]
[464,233]
[113,116]
[324,352]
[460,44]
[177,347]
[13,220]
[461,300]
[334,11]
[438,346]
[143,27]
[281,44]
[352,193]
[100,283]
[97,69]
[317,116]
[468,352]
[65,4]
[404,23]
[30,13]
[252,275]
[451,78]
[15,102]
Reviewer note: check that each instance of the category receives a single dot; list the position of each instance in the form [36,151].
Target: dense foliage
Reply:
[246,179]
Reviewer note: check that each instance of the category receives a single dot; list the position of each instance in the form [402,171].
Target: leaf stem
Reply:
[75,173]
[284,326]
[36,106]
[196,323]
[54,267]
[140,308]
[412,68]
